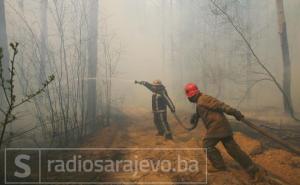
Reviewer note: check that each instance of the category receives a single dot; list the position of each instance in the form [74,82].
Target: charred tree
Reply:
[92,63]
[43,38]
[3,42]
[282,30]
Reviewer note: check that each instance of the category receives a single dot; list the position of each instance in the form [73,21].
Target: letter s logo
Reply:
[25,167]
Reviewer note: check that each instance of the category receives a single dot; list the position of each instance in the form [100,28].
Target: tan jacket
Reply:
[212,112]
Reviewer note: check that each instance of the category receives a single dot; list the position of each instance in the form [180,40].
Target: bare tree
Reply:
[282,30]
[62,112]
[8,87]
[63,79]
[171,20]
[248,53]
[163,33]
[270,76]
[92,62]
[43,38]
[79,70]
[3,40]
[111,57]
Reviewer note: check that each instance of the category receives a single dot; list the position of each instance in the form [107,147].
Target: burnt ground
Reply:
[136,130]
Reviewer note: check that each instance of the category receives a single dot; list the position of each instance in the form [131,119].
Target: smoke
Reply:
[179,42]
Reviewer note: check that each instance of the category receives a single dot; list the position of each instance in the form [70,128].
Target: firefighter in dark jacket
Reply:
[160,101]
[212,112]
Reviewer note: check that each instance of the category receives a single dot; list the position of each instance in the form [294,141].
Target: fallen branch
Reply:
[257,59]
[273,137]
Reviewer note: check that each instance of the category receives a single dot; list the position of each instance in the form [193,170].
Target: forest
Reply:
[70,71]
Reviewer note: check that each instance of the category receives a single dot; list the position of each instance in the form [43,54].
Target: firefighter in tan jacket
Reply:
[211,111]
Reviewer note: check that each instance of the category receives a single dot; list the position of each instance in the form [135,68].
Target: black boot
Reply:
[216,159]
[169,136]
[256,173]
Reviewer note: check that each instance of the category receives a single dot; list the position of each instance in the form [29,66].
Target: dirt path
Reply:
[136,130]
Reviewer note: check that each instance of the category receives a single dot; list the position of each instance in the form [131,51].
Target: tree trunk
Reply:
[4,46]
[43,62]
[43,39]
[172,45]
[3,38]
[92,63]
[285,56]
[248,53]
[163,38]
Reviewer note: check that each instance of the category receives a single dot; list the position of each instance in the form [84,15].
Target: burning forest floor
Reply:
[136,130]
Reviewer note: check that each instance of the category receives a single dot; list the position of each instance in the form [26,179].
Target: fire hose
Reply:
[182,125]
[273,137]
[267,134]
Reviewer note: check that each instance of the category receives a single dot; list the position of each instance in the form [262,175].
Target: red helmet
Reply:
[191,90]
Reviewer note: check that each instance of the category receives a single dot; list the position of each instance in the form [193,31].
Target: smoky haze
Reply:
[176,41]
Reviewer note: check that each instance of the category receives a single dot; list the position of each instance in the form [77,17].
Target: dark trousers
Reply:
[233,150]
[161,124]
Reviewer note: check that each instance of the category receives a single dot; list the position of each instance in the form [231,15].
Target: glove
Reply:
[238,115]
[138,82]
[194,119]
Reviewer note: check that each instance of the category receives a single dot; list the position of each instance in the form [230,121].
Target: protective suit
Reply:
[212,112]
[160,102]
